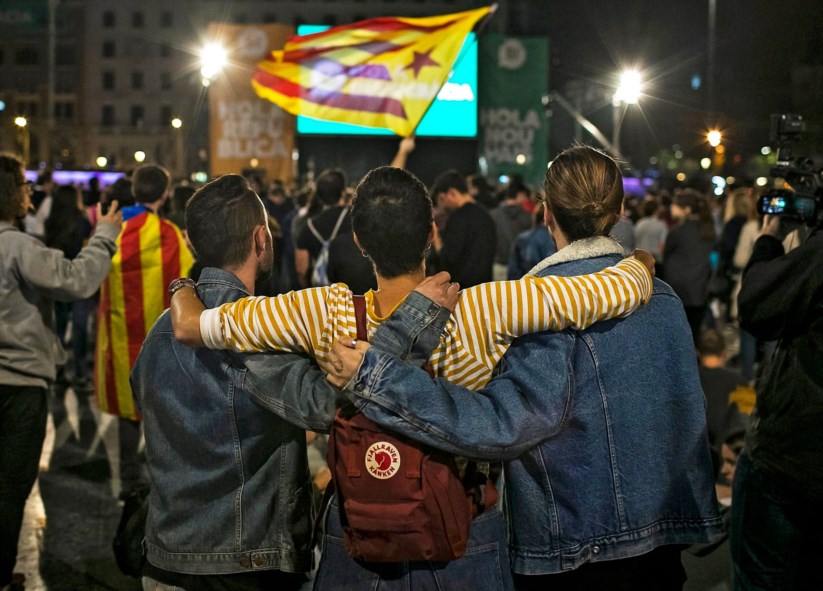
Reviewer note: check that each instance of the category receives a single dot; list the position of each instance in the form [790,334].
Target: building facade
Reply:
[123,70]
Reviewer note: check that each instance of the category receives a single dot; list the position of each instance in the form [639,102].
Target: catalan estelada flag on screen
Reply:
[381,72]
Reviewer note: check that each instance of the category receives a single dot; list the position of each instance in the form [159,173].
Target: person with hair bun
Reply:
[602,430]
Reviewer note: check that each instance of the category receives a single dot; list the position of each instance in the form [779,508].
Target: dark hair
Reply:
[12,179]
[451,179]
[330,186]
[61,225]
[699,206]
[392,216]
[650,207]
[44,177]
[121,191]
[180,195]
[584,191]
[711,342]
[150,183]
[220,219]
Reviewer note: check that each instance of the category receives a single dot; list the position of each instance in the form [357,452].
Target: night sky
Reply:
[758,44]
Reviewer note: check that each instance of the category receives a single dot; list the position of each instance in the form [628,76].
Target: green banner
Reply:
[514,131]
[25,14]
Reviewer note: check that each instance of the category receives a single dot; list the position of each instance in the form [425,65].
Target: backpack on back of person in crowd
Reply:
[320,275]
[399,500]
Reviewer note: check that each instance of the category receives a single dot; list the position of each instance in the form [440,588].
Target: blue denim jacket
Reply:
[604,430]
[230,485]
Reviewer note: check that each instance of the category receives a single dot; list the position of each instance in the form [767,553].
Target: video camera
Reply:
[803,200]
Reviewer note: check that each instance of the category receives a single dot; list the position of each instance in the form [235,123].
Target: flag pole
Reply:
[480,28]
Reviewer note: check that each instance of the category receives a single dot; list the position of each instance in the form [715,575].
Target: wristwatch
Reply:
[180,283]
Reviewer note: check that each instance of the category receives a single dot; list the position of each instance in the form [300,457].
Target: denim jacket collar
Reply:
[586,248]
[214,283]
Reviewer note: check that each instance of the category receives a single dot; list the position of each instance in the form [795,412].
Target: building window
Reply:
[63,111]
[136,116]
[165,115]
[107,117]
[165,81]
[65,55]
[27,56]
[137,80]
[109,81]
[27,108]
[166,19]
[108,19]
[137,20]
[108,49]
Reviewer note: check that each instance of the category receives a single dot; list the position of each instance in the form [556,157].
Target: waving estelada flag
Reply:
[381,72]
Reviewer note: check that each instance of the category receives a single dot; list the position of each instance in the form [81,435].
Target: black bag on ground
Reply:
[128,540]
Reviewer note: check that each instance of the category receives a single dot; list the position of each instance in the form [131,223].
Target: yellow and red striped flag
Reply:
[151,252]
[381,72]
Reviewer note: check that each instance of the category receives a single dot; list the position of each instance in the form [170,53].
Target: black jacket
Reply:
[782,298]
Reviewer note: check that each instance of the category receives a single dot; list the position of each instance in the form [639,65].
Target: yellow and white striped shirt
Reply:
[487,318]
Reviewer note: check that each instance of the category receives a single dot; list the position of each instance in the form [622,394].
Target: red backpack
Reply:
[399,500]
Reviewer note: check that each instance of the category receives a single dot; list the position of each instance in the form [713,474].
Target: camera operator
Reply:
[777,508]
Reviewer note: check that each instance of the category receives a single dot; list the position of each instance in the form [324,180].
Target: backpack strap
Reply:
[316,233]
[339,223]
[361,317]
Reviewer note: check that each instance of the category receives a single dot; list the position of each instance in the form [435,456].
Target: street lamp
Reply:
[714,137]
[179,147]
[139,156]
[23,137]
[628,92]
[213,57]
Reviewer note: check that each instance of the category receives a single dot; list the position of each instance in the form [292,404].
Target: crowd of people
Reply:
[609,400]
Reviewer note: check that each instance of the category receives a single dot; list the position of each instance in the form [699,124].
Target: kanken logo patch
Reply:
[382,460]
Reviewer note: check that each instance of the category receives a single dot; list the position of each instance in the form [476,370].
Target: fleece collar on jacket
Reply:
[586,248]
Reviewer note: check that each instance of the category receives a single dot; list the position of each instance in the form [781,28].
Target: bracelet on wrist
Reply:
[180,283]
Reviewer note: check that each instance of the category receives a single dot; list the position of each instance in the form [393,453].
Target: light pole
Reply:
[179,147]
[23,139]
[627,93]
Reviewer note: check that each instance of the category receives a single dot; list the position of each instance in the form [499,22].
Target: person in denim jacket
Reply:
[608,472]
[230,505]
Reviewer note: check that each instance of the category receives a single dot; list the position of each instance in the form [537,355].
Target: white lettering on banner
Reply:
[251,129]
[507,135]
[456,92]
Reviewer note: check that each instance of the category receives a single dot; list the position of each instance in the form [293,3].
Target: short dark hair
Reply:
[451,179]
[650,207]
[711,342]
[220,219]
[121,191]
[392,216]
[330,186]
[12,179]
[150,183]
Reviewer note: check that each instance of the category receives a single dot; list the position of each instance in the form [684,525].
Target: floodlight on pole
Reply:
[629,89]
[213,57]
[177,123]
[20,121]
[714,138]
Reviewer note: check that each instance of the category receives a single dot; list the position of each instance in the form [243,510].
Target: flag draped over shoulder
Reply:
[381,72]
[151,253]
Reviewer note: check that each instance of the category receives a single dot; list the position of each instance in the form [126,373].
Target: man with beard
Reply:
[230,504]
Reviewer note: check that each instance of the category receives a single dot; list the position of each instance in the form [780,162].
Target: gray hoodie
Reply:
[32,276]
